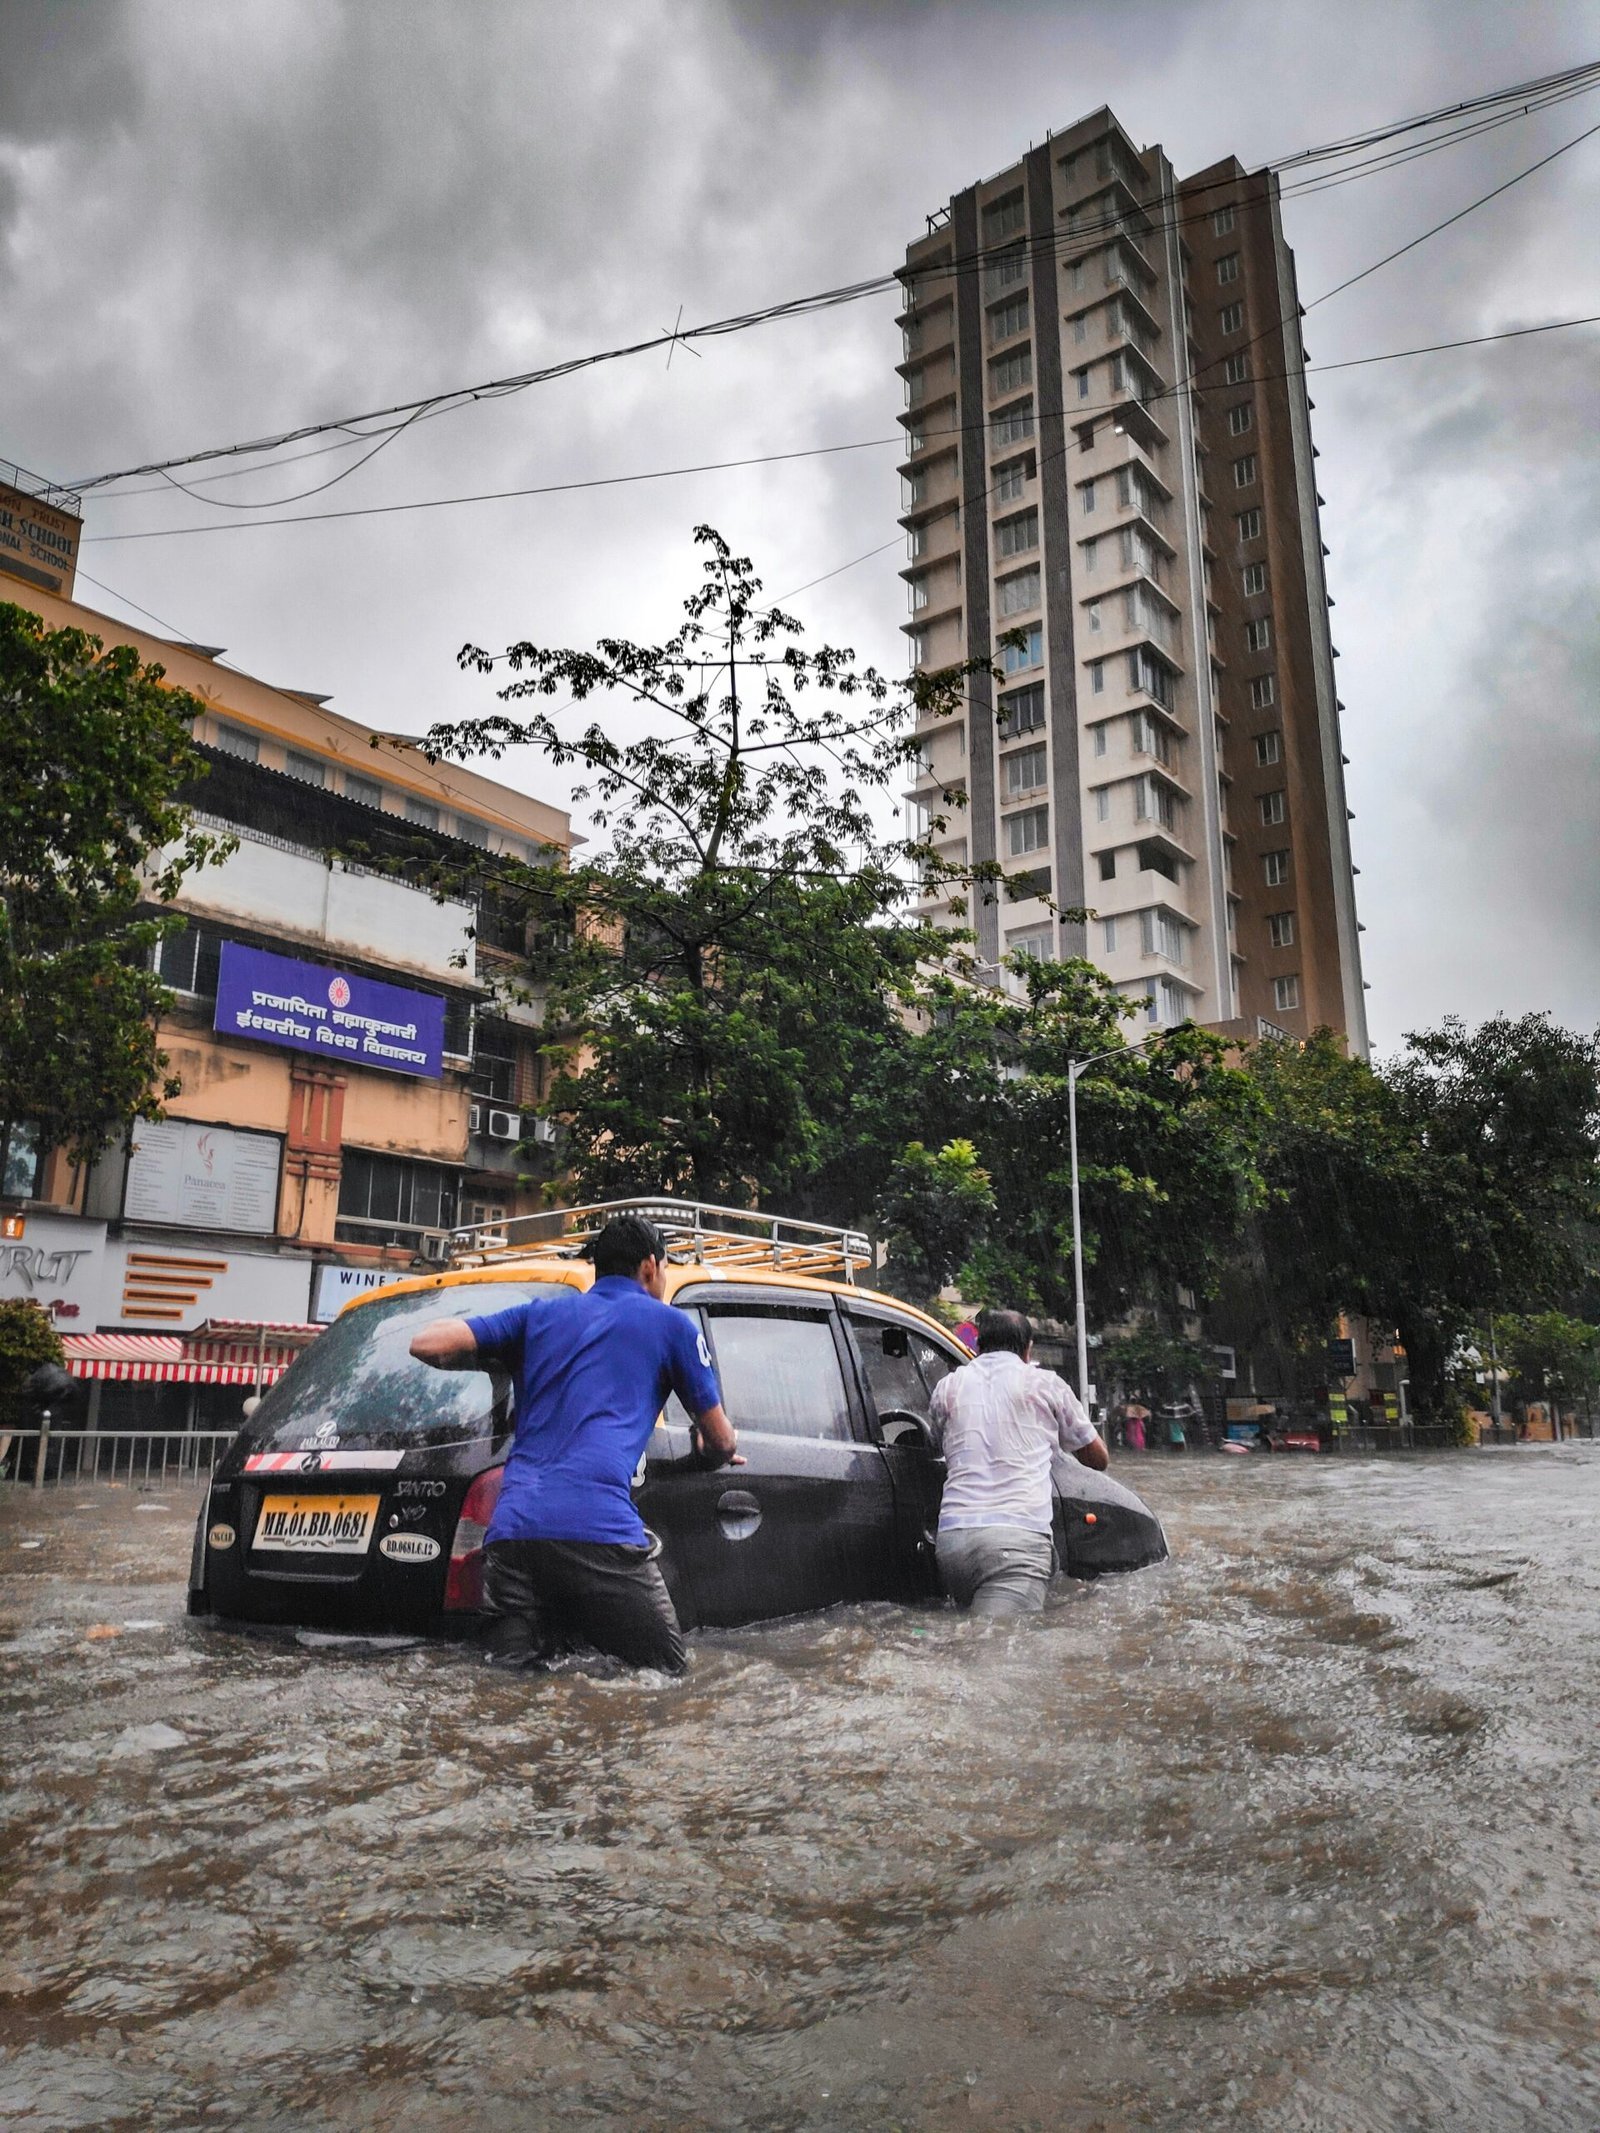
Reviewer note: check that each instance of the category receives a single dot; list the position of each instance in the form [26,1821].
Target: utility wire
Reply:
[1079,410]
[1550,88]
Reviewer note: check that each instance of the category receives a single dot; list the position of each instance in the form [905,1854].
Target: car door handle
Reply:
[738,1513]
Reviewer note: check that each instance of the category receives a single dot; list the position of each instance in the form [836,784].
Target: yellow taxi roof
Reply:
[579,1274]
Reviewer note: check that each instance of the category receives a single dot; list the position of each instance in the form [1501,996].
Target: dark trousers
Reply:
[547,1595]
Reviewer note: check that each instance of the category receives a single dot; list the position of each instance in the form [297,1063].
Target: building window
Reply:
[309,769]
[916,647]
[471,832]
[1100,742]
[494,1064]
[1262,692]
[386,1196]
[1228,268]
[1162,934]
[422,812]
[1275,868]
[1102,803]
[1012,424]
[1286,991]
[1254,578]
[1019,592]
[189,961]
[1097,677]
[1008,320]
[1280,929]
[917,599]
[1003,218]
[1024,770]
[1269,748]
[19,1162]
[1231,318]
[1082,377]
[1221,221]
[1108,935]
[1244,471]
[1236,370]
[1022,712]
[1091,550]
[1007,374]
[1258,634]
[1008,270]
[1155,801]
[1086,491]
[367,791]
[1108,866]
[1147,737]
[1092,616]
[1249,524]
[1028,831]
[1146,672]
[1012,536]
[1274,807]
[1080,326]
[1239,419]
[1018,658]
[1035,944]
[235,740]
[1012,479]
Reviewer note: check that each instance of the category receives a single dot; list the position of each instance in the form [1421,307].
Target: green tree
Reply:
[1149,1362]
[94,749]
[1459,1178]
[733,952]
[27,1339]
[1550,1356]
[931,1214]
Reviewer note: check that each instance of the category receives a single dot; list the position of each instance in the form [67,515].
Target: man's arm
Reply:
[1077,1434]
[715,1438]
[448,1344]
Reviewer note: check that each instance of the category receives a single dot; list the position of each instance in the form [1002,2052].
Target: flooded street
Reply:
[1298,1831]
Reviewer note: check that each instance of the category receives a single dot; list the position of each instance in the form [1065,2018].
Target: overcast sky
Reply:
[220,220]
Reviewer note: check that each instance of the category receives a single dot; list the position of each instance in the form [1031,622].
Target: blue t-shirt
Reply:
[591,1370]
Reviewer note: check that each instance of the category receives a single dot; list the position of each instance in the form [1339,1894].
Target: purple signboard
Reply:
[343,1018]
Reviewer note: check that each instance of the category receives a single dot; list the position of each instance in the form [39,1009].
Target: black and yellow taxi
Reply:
[358,1494]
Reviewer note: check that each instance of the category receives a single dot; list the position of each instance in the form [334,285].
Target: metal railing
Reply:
[133,1458]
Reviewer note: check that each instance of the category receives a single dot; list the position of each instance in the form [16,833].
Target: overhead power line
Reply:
[1458,120]
[1078,412]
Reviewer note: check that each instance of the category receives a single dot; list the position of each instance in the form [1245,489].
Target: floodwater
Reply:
[1296,1832]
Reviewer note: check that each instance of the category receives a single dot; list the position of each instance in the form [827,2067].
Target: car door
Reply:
[899,1364]
[809,1519]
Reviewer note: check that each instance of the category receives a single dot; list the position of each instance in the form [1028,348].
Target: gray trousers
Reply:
[996,1570]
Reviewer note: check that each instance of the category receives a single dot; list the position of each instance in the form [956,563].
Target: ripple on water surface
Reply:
[1221,1844]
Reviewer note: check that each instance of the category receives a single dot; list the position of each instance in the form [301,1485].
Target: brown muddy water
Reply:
[1296,1832]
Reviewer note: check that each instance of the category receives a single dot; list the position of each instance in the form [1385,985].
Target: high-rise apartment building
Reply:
[1109,463]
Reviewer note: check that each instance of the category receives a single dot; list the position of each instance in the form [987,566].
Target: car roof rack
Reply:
[695,1234]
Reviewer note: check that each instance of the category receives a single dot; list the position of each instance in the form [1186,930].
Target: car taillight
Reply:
[463,1584]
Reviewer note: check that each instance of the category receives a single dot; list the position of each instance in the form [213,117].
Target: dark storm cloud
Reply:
[219,220]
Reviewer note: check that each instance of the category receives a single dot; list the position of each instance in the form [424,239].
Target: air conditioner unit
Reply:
[505,1126]
[474,1118]
[544,1131]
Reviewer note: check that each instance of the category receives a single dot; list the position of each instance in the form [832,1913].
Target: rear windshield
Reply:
[360,1377]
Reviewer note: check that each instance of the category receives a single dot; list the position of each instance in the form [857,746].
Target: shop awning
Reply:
[202,1358]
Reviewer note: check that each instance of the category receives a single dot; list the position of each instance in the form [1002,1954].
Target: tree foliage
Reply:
[27,1339]
[94,748]
[931,1214]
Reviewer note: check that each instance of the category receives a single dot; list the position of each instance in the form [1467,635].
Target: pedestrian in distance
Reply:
[999,1422]
[566,1556]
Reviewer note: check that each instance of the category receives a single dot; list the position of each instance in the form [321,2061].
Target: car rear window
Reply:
[360,1377]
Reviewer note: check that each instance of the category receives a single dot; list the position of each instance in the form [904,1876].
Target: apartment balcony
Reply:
[329,908]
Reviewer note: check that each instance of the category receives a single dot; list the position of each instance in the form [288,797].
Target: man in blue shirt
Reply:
[566,1554]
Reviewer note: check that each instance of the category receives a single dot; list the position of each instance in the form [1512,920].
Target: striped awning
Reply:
[170,1359]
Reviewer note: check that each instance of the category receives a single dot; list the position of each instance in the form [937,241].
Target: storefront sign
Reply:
[57,1262]
[342,1017]
[156,1287]
[335,1285]
[38,542]
[203,1177]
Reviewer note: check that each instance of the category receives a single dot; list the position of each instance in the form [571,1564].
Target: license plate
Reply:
[317,1525]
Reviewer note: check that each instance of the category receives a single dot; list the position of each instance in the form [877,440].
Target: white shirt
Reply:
[998,1421]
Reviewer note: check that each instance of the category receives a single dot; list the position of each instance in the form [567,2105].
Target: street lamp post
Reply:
[1076,1068]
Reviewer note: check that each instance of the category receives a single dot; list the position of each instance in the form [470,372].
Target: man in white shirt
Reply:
[999,1422]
